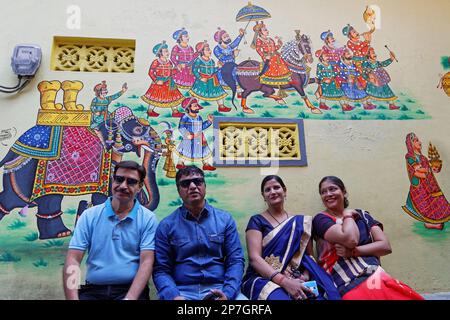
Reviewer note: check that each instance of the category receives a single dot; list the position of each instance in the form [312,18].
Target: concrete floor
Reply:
[437,296]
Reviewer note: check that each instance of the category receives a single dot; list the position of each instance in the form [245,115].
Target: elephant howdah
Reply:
[69,158]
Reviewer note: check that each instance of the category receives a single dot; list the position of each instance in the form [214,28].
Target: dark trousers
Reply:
[91,291]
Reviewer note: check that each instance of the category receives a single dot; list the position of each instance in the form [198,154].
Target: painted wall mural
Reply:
[425,202]
[61,165]
[351,81]
[7,134]
[194,146]
[444,82]
[70,152]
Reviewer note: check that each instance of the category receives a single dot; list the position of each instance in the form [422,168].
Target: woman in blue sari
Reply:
[280,252]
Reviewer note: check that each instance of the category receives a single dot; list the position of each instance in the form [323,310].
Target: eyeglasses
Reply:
[186,183]
[121,179]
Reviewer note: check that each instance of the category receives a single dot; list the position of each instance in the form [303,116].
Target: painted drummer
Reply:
[378,80]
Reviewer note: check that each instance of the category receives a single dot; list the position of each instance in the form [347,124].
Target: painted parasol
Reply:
[252,13]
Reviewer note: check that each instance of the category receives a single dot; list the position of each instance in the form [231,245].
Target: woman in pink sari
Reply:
[425,201]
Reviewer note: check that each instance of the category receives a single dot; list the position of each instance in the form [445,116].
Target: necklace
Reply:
[276,218]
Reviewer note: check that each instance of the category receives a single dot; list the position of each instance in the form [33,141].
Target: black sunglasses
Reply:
[121,179]
[186,183]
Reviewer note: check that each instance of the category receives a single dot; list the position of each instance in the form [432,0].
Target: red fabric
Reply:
[216,81]
[329,259]
[277,66]
[381,286]
[80,160]
[204,142]
[162,95]
[359,48]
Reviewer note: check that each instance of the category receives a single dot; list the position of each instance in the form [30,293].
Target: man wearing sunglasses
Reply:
[119,237]
[198,253]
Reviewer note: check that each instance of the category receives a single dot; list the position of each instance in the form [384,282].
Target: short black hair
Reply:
[132,165]
[187,171]
[272,177]
[338,182]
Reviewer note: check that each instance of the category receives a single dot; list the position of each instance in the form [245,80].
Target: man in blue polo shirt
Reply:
[119,237]
[198,252]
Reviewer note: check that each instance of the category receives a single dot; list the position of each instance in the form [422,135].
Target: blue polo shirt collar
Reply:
[110,210]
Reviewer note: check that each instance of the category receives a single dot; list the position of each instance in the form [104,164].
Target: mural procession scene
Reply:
[247,94]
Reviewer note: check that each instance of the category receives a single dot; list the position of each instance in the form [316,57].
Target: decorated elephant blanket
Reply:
[40,142]
[83,165]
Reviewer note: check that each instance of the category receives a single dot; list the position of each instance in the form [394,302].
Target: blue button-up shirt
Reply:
[204,251]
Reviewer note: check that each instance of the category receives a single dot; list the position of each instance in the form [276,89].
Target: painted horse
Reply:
[296,54]
[48,162]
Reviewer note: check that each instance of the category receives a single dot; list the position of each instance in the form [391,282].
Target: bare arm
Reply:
[309,248]
[379,247]
[254,248]
[71,273]
[147,257]
[346,234]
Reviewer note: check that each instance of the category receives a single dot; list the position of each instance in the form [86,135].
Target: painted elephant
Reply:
[49,162]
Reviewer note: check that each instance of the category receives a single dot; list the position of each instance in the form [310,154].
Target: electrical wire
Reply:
[18,87]
[12,88]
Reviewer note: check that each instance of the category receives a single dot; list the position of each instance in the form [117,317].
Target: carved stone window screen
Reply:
[93,54]
[259,142]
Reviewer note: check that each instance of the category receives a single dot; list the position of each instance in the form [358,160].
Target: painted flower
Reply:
[75,155]
[93,176]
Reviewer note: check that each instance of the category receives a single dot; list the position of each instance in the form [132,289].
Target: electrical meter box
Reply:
[26,59]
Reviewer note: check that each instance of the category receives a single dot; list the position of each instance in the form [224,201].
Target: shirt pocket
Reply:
[216,242]
[179,242]
[216,238]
